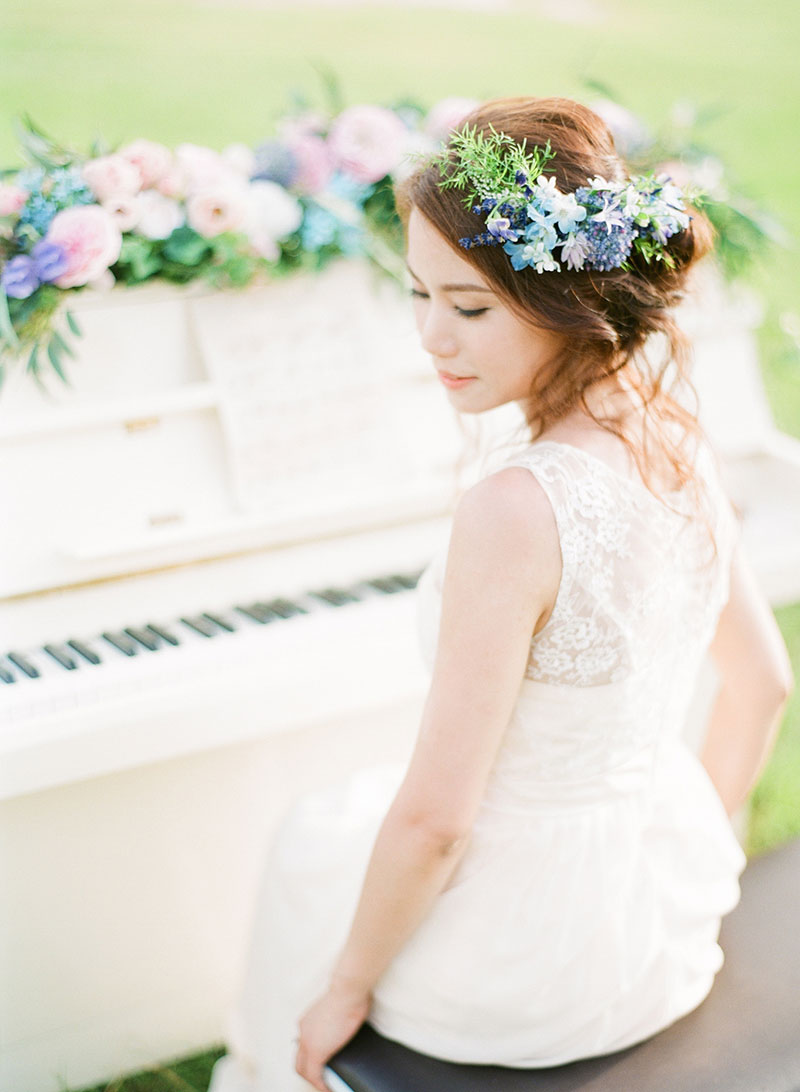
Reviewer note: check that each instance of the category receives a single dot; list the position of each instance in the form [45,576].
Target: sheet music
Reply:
[323,399]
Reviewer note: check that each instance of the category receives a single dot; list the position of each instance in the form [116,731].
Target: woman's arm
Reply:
[755,681]
[502,575]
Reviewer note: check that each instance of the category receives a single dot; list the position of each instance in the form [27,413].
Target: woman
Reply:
[548,877]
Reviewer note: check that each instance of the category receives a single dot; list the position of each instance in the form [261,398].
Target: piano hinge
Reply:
[139,424]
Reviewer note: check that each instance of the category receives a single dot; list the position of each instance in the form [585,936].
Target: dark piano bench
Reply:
[745,1037]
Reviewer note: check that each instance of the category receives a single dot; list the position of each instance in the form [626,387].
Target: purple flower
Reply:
[50,260]
[501,229]
[19,279]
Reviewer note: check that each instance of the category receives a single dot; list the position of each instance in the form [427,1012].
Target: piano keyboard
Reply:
[107,655]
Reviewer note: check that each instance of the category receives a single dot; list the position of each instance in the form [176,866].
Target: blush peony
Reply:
[111,177]
[218,208]
[152,160]
[367,142]
[91,242]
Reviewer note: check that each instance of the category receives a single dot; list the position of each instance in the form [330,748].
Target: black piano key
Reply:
[258,612]
[60,657]
[337,597]
[7,676]
[408,580]
[83,650]
[219,621]
[163,633]
[121,642]
[284,608]
[146,640]
[24,665]
[200,625]
[387,584]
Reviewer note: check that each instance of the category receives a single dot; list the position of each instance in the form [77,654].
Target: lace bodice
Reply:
[637,605]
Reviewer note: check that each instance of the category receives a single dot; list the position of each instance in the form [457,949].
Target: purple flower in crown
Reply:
[575,249]
[501,229]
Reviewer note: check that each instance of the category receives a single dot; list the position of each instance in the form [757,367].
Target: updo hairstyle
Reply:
[607,317]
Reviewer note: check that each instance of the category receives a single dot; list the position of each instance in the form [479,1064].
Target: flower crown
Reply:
[596,227]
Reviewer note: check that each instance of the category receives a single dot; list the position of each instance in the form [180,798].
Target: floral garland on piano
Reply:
[321,188]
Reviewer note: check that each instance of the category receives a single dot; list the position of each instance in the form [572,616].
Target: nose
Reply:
[435,332]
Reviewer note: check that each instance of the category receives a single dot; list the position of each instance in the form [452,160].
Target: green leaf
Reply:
[40,147]
[6,325]
[55,360]
[186,247]
[330,85]
[62,345]
[72,322]
[33,360]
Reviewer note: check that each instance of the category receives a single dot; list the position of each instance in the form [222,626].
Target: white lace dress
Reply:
[585,912]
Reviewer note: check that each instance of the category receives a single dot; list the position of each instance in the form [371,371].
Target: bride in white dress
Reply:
[546,879]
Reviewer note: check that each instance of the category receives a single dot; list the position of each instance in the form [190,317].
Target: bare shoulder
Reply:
[504,530]
[512,503]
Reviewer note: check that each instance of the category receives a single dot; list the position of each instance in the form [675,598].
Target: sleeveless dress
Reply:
[584,914]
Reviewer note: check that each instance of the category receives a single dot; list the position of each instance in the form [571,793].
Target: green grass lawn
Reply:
[214,73]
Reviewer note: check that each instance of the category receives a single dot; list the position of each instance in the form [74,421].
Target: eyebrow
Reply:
[454,287]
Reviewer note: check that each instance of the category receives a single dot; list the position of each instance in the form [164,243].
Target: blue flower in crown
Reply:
[598,227]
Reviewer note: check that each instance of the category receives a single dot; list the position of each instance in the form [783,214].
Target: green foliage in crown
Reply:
[488,162]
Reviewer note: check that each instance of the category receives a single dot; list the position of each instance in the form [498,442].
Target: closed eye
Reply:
[416,294]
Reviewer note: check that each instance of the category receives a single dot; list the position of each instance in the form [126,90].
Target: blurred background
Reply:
[215,72]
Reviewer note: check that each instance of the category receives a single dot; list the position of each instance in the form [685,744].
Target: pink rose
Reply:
[90,239]
[447,115]
[111,176]
[12,199]
[314,163]
[367,142]
[218,208]
[173,183]
[158,216]
[150,159]
[124,210]
[202,167]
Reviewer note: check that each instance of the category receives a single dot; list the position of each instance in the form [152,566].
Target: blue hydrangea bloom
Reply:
[349,189]
[318,228]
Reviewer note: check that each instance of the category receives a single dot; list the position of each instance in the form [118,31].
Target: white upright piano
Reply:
[206,608]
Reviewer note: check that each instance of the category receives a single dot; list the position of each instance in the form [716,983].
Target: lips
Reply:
[454,382]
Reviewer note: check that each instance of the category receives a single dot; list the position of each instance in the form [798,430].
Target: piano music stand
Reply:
[744,1037]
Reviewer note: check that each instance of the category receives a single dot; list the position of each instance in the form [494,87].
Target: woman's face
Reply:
[468,331]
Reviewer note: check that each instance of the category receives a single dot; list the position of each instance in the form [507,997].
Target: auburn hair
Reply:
[608,318]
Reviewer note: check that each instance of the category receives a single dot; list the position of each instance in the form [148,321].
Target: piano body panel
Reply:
[127,896]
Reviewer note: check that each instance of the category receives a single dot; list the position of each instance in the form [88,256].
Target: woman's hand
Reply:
[331,1022]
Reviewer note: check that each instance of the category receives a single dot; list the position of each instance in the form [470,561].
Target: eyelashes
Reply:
[416,294]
